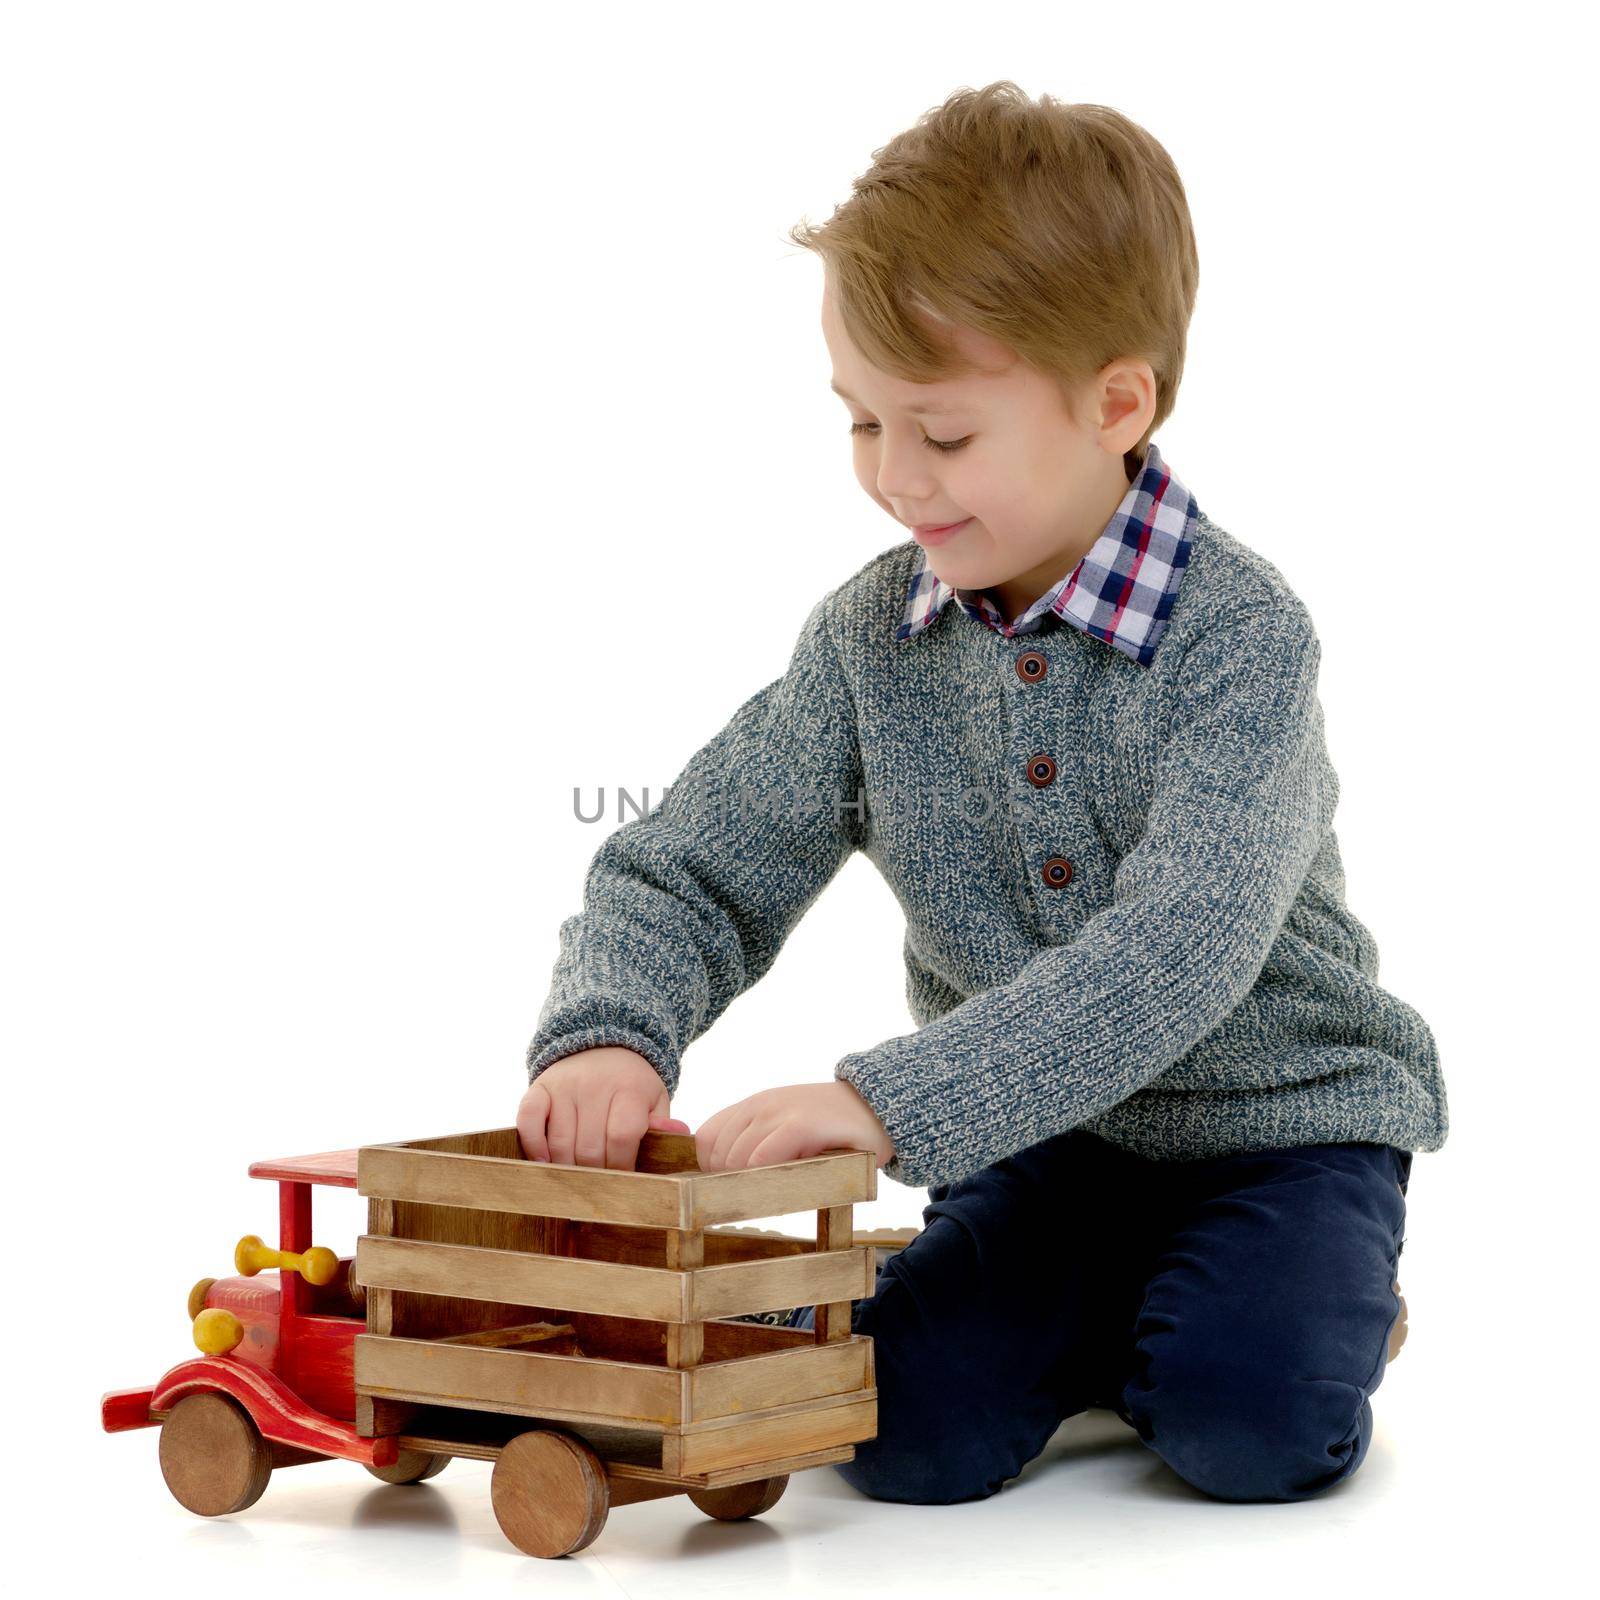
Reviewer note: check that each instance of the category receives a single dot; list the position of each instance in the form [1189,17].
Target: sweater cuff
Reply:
[903,1112]
[546,1052]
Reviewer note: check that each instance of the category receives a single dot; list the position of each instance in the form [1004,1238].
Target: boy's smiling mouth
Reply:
[939,532]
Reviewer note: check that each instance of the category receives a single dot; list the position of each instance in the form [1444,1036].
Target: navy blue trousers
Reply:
[1235,1311]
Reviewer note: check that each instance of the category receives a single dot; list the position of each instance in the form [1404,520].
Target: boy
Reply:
[1164,1108]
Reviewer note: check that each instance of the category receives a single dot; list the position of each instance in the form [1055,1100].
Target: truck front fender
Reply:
[273,1406]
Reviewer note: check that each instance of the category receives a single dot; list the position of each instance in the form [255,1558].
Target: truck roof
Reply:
[336,1168]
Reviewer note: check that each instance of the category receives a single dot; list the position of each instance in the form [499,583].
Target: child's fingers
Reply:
[705,1139]
[531,1116]
[589,1143]
[744,1147]
[780,1144]
[731,1131]
[561,1127]
[625,1125]
[662,1123]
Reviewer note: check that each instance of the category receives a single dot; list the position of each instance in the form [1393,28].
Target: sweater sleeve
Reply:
[1242,794]
[687,906]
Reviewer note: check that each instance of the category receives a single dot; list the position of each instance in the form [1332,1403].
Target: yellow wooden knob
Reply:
[197,1296]
[316,1265]
[217,1331]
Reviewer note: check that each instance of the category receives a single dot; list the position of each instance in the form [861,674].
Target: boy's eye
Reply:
[933,444]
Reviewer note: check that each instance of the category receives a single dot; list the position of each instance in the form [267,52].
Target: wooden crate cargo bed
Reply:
[593,1298]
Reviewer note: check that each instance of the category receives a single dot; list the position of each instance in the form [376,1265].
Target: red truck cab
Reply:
[292,1372]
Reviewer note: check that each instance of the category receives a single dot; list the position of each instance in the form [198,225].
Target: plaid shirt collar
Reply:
[1121,591]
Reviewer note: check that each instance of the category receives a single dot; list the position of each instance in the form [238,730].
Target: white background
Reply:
[413,412]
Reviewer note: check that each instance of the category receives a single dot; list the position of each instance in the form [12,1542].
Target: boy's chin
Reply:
[962,574]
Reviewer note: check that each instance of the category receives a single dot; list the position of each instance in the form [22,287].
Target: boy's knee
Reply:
[1236,1439]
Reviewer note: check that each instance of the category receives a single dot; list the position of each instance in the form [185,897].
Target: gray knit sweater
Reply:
[1190,983]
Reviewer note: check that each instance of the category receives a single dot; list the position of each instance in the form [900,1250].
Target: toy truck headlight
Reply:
[217,1331]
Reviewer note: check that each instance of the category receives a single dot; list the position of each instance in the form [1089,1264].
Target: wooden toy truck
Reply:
[568,1323]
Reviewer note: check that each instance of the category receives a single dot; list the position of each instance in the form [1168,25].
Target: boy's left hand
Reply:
[788,1124]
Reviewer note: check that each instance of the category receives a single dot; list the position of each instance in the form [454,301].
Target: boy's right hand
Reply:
[592,1108]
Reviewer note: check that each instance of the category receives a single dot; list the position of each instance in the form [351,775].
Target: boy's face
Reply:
[1035,481]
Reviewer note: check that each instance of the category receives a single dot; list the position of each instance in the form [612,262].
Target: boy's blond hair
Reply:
[1060,230]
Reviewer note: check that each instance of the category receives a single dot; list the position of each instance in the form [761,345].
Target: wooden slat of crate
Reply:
[725,1372]
[840,1178]
[541,1383]
[785,1431]
[519,1278]
[528,1382]
[779,1378]
[539,1188]
[813,1278]
[682,1198]
[611,1288]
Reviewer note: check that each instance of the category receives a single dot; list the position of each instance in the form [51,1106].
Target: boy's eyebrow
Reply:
[916,411]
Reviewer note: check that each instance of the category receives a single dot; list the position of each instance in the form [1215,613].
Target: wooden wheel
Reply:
[741,1500]
[411,1466]
[213,1456]
[549,1492]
